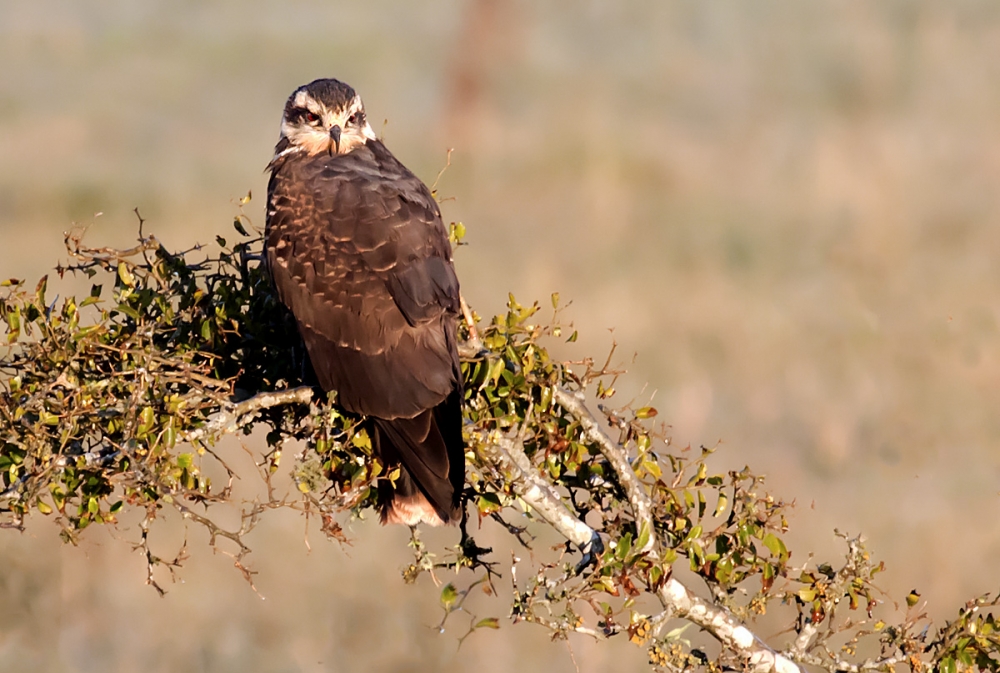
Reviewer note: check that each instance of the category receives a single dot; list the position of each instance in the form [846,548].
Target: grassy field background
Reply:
[788,210]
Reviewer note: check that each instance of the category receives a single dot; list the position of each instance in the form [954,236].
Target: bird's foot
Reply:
[591,553]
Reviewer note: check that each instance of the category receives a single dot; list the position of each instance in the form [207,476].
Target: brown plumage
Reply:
[357,251]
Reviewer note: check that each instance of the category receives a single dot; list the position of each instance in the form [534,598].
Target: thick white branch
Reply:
[719,622]
[642,507]
[507,457]
[805,638]
[676,598]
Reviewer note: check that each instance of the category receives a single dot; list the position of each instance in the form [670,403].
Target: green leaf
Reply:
[775,545]
[14,324]
[361,440]
[768,572]
[724,570]
[40,291]
[488,623]
[696,554]
[456,232]
[448,596]
[606,584]
[624,546]
[643,538]
[546,398]
[129,311]
[488,502]
[652,467]
[146,419]
[496,370]
[125,275]
[723,504]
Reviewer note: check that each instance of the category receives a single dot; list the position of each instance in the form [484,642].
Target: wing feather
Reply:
[358,252]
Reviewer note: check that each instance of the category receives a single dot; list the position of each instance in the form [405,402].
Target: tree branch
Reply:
[233,416]
[674,596]
[83,389]
[719,622]
[642,508]
[507,457]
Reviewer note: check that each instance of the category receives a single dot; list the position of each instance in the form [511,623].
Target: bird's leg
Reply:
[470,549]
[591,553]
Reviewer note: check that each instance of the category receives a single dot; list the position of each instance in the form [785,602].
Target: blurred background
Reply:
[789,211]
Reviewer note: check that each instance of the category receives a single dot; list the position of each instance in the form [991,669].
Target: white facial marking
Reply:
[315,138]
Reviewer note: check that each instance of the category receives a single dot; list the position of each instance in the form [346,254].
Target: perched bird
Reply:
[357,251]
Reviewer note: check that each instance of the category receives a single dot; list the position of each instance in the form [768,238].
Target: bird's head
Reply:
[325,116]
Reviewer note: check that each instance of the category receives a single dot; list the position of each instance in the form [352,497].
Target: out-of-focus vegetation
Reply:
[788,210]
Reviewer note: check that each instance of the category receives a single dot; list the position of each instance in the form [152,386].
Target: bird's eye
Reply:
[357,119]
[311,117]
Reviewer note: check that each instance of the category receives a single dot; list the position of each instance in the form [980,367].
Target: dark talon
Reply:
[470,549]
[591,552]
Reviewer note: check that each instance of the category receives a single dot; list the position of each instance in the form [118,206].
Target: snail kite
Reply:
[357,251]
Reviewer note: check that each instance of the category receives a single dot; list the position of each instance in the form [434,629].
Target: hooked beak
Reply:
[335,137]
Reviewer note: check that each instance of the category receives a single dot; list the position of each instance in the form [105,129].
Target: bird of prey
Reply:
[357,251]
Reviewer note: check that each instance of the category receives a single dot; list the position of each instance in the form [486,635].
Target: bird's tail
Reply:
[431,455]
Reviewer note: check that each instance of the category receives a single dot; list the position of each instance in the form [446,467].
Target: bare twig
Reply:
[447,165]
[473,346]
